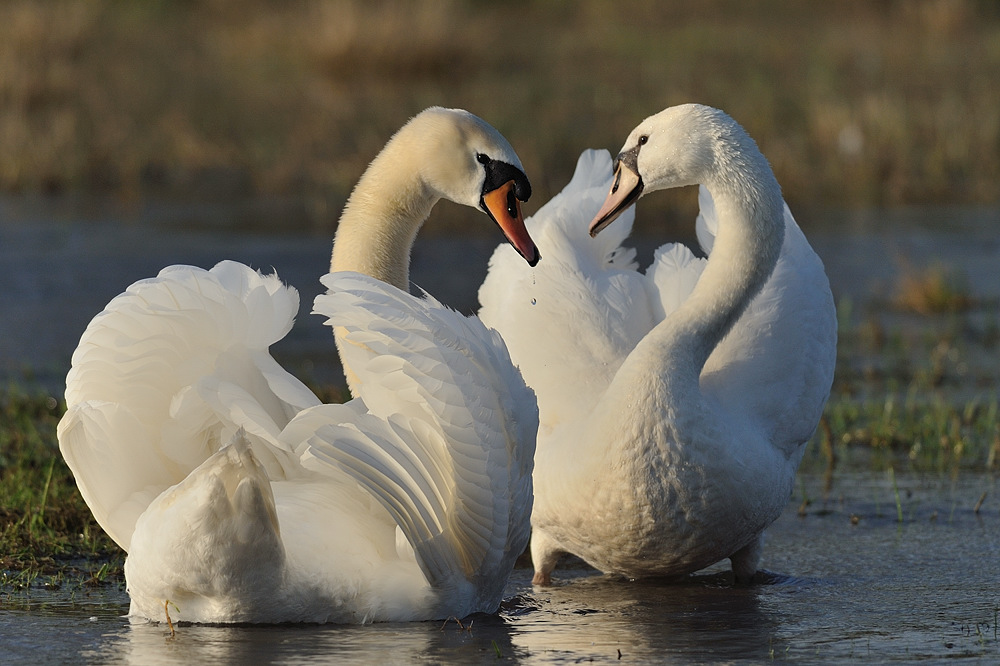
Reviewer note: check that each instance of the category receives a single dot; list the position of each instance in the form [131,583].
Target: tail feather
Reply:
[211,544]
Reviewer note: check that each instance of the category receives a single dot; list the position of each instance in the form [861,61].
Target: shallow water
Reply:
[882,589]
[840,589]
[61,266]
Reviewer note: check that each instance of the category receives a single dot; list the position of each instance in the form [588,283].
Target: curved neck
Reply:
[381,219]
[745,251]
[751,229]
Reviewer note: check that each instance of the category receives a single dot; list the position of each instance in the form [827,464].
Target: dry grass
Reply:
[855,103]
[937,290]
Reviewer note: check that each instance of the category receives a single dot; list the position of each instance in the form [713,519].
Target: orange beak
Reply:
[505,208]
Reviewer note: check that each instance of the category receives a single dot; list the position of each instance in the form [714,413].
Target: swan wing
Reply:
[166,374]
[447,442]
[586,288]
[674,272]
[707,223]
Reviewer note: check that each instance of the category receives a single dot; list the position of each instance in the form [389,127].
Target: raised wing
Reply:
[448,441]
[165,376]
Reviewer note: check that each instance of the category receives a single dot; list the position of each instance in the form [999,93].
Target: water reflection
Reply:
[430,642]
[598,616]
[873,588]
[586,617]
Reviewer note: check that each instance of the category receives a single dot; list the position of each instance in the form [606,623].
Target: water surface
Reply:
[847,582]
[850,580]
[61,266]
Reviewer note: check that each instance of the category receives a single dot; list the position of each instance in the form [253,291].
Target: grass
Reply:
[916,388]
[47,533]
[925,436]
[937,290]
[855,103]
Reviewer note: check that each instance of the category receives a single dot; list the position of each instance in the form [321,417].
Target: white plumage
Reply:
[675,404]
[239,497]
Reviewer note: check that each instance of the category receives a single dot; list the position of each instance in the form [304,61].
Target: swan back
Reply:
[793,319]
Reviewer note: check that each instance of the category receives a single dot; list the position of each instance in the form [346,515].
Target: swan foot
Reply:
[459,623]
[746,561]
[545,553]
[166,611]
[542,578]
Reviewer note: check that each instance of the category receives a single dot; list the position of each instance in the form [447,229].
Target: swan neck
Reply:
[748,242]
[381,219]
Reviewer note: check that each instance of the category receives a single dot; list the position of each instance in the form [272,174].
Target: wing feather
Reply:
[167,373]
[448,446]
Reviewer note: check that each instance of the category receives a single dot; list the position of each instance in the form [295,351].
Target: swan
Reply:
[674,405]
[239,497]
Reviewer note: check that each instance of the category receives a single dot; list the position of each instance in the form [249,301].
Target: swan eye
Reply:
[511,204]
[483,159]
[643,139]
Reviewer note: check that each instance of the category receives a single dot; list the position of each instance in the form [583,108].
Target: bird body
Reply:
[674,405]
[239,497]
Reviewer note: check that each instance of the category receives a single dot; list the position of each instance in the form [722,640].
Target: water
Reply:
[882,589]
[61,266]
[847,582]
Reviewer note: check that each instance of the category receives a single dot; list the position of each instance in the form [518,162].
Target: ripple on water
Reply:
[835,589]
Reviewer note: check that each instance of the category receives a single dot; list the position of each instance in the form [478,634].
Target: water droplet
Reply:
[533,301]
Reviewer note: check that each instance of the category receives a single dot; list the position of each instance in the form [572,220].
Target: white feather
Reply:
[648,463]
[240,498]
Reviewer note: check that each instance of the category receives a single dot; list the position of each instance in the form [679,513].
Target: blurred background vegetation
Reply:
[857,103]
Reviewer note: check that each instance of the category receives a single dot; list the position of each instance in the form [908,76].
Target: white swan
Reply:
[239,497]
[674,405]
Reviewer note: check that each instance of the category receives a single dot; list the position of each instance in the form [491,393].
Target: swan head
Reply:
[673,148]
[465,160]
